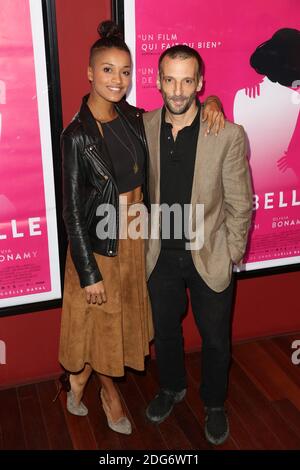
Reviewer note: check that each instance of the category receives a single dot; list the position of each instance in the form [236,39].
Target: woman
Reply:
[106,317]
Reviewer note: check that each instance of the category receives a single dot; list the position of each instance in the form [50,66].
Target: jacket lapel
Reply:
[96,142]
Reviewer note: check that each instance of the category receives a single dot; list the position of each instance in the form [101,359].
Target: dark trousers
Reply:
[173,273]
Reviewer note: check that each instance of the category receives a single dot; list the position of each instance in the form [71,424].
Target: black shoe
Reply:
[162,404]
[216,425]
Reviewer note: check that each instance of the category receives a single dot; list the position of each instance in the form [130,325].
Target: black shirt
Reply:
[126,153]
[177,162]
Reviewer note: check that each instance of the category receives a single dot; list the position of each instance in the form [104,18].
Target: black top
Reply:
[177,162]
[126,154]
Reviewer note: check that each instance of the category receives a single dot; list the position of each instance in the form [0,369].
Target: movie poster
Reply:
[251,52]
[29,261]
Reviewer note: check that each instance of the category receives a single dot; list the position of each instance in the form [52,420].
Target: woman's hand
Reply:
[213,115]
[95,293]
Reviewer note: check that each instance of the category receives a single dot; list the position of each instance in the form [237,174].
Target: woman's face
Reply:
[110,74]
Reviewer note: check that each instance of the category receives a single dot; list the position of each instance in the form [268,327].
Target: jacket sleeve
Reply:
[238,195]
[74,212]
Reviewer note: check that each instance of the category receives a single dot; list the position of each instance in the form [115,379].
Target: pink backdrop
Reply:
[24,260]
[226,33]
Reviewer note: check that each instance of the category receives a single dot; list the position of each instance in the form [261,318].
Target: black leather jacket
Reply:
[88,181]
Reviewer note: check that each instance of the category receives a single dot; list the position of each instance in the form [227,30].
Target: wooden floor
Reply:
[263,406]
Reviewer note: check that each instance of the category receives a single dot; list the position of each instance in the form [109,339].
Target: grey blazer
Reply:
[222,184]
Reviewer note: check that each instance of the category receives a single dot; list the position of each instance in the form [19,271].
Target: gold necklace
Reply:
[132,154]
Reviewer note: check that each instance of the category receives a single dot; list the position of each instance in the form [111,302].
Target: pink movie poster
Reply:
[251,52]
[24,242]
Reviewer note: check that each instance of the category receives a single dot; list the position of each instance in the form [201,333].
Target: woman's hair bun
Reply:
[109,29]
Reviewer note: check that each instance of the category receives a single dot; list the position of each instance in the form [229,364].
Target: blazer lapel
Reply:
[152,128]
[200,154]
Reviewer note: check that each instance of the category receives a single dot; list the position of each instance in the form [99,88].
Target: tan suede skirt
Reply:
[117,333]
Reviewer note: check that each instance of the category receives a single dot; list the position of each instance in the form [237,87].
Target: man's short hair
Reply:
[182,52]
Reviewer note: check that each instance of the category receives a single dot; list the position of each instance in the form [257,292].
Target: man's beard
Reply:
[184,108]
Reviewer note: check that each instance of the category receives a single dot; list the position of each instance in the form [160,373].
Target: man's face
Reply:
[179,83]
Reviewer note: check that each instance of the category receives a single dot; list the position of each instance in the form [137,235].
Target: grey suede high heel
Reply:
[64,384]
[78,410]
[122,425]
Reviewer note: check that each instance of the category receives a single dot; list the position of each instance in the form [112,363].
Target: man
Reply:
[188,167]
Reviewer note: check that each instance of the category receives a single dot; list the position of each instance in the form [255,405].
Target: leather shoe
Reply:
[216,425]
[162,404]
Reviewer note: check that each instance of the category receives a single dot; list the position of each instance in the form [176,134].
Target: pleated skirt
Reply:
[114,334]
